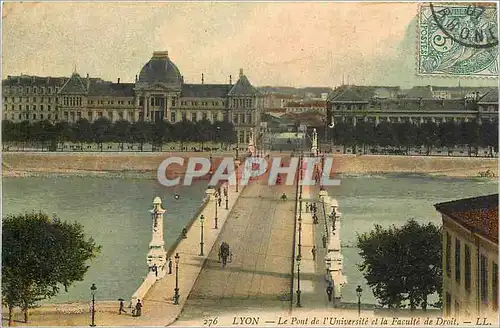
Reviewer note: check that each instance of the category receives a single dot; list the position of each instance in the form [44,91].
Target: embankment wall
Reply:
[137,162]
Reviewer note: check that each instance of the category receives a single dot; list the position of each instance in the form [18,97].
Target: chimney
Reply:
[47,80]
[241,72]
[202,79]
[32,79]
[182,78]
[136,78]
[18,79]
[230,79]
[88,82]
[118,80]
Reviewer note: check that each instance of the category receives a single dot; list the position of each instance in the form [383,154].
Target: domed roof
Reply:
[160,69]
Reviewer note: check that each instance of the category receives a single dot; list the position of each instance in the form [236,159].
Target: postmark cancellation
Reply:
[458,39]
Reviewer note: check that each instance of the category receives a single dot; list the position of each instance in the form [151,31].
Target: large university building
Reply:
[470,257]
[159,93]
[351,104]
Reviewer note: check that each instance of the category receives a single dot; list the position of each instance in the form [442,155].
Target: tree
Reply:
[385,135]
[141,132]
[62,132]
[102,130]
[206,132]
[121,132]
[429,135]
[184,131]
[82,130]
[39,256]
[402,264]
[363,133]
[226,134]
[9,131]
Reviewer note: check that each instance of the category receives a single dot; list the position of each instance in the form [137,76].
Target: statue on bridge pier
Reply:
[251,143]
[334,257]
[314,147]
[156,257]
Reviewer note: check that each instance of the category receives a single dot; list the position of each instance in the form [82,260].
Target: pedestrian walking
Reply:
[329,292]
[219,200]
[307,207]
[138,309]
[324,241]
[184,233]
[155,270]
[315,218]
[313,251]
[122,307]
[170,266]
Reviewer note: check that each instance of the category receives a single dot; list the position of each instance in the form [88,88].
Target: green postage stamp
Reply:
[459,39]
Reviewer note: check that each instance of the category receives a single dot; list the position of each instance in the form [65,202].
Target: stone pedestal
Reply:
[334,258]
[211,194]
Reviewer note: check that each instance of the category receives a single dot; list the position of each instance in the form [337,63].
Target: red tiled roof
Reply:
[477,214]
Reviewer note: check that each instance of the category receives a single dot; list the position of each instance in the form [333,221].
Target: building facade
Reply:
[311,106]
[375,104]
[470,257]
[159,93]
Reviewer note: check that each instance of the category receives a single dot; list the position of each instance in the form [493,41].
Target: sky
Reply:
[294,44]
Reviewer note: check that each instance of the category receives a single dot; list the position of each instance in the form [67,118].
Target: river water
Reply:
[114,211]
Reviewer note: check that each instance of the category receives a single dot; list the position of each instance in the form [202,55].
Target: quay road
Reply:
[260,232]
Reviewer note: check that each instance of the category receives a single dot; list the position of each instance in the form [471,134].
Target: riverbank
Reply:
[146,164]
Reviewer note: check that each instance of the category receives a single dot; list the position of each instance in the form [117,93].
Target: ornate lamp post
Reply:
[93,288]
[237,164]
[359,290]
[300,228]
[217,196]
[202,219]
[176,290]
[218,136]
[298,280]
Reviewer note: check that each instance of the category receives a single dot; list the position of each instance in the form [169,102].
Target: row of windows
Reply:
[408,119]
[359,107]
[27,107]
[72,101]
[242,118]
[194,116]
[483,270]
[34,116]
[90,115]
[73,115]
[242,103]
[202,103]
[27,99]
[35,90]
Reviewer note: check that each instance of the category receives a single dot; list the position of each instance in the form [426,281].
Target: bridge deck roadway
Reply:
[260,232]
